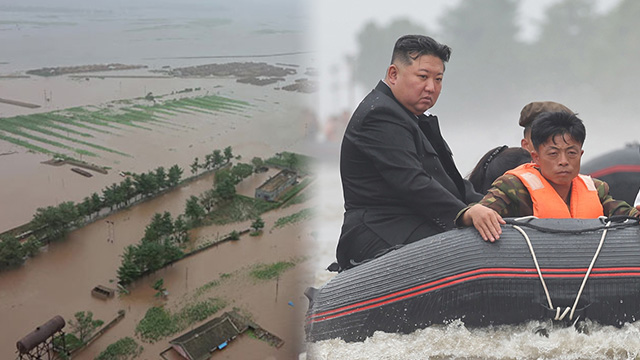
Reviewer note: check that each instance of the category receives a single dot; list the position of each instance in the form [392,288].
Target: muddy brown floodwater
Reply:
[59,280]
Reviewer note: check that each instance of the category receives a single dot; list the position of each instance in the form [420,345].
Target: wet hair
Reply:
[410,47]
[494,164]
[548,125]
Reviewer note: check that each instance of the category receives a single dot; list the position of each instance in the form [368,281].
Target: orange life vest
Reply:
[585,202]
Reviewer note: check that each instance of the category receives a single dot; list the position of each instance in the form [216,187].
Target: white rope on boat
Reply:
[535,261]
[560,316]
[593,261]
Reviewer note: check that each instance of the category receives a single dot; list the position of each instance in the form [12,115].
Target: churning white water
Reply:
[454,340]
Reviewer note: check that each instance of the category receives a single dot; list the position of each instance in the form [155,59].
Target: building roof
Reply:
[198,343]
[277,180]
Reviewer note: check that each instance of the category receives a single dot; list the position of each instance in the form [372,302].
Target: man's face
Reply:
[417,86]
[559,159]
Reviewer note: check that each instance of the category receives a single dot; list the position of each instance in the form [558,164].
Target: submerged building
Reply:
[272,188]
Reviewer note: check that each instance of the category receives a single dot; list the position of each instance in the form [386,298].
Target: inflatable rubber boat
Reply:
[620,169]
[539,269]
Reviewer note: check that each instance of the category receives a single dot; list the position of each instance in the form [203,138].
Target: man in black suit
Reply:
[399,179]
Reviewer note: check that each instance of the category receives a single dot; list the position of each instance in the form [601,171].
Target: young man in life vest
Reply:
[550,187]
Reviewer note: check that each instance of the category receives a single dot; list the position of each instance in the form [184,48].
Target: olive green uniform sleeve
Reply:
[610,205]
[507,196]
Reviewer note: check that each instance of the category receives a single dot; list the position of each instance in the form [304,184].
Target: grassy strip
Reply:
[123,349]
[51,142]
[240,208]
[25,144]
[301,215]
[47,122]
[63,137]
[68,120]
[270,271]
[159,322]
[54,124]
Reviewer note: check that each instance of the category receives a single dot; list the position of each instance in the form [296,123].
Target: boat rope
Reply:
[561,316]
[586,276]
[618,221]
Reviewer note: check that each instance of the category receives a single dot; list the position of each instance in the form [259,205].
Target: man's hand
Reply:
[487,221]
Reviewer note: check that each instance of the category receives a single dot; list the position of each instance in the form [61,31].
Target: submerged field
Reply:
[73,131]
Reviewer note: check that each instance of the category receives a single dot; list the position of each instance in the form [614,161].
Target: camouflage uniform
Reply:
[510,198]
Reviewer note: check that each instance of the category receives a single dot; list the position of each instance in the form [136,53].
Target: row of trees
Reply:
[160,246]
[13,253]
[54,222]
[164,237]
[212,161]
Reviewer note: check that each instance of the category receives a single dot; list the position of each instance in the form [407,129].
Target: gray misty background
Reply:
[506,53]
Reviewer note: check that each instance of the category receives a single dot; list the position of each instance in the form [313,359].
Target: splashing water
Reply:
[455,341]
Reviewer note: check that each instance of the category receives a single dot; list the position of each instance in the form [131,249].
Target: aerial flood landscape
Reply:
[98,151]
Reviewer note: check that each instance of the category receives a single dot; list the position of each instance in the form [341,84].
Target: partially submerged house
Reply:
[272,188]
[202,342]
[199,343]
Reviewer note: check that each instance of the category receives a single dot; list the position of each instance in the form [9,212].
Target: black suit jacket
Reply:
[397,172]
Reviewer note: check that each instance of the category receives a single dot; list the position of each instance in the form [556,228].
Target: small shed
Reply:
[272,188]
[102,292]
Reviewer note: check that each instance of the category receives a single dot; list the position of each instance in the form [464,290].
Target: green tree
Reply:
[96,203]
[181,231]
[123,349]
[158,286]
[208,161]
[161,177]
[292,161]
[228,153]
[129,269]
[217,158]
[31,247]
[235,235]
[226,189]
[110,196]
[11,252]
[195,166]
[258,163]
[241,171]
[53,222]
[209,199]
[128,190]
[160,227]
[175,173]
[257,225]
[84,208]
[83,325]
[193,210]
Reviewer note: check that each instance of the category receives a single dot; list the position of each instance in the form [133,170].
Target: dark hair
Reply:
[410,47]
[548,125]
[495,163]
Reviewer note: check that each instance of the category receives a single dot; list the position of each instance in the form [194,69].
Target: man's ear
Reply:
[392,74]
[535,157]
